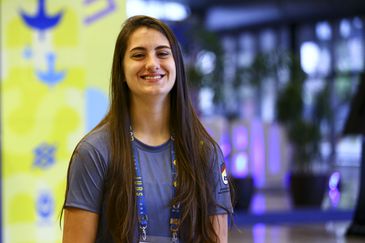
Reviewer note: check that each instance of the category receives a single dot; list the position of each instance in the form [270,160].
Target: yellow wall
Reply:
[54,88]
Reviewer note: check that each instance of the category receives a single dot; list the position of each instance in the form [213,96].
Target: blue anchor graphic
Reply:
[41,21]
[51,76]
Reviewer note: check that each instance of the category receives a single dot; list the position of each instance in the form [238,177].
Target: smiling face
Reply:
[149,65]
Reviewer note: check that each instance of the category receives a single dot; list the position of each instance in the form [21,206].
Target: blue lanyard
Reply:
[141,207]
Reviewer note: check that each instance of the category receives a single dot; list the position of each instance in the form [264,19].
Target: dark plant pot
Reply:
[244,190]
[307,190]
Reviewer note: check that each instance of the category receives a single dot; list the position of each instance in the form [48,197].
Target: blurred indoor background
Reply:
[272,80]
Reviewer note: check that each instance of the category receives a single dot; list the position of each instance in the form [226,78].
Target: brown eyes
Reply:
[160,54]
[137,55]
[164,54]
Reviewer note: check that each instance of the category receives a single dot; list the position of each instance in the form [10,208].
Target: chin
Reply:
[158,92]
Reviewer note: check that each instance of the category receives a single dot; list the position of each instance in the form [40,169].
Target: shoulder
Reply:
[95,144]
[212,149]
[87,171]
[99,139]
[216,160]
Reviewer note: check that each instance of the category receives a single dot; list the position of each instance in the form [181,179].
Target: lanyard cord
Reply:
[175,209]
[141,208]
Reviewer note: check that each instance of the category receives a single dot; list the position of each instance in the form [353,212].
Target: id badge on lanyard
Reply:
[145,241]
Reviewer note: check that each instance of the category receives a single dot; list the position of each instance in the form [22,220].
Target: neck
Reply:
[150,120]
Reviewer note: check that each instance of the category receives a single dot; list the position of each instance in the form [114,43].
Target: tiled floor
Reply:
[281,225]
[317,233]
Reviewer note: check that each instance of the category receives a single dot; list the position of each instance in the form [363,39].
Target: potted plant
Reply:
[204,45]
[307,182]
[204,62]
[252,77]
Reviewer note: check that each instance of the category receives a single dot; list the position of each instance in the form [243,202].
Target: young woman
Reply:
[149,172]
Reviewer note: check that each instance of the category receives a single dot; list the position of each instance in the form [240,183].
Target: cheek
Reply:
[172,68]
[174,74]
[130,70]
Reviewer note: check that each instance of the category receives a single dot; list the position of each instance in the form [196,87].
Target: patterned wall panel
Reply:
[55,66]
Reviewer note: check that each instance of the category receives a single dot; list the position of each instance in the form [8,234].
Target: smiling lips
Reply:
[152,77]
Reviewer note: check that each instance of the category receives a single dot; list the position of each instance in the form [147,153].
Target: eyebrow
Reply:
[138,48]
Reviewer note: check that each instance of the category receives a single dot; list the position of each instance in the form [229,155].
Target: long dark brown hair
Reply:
[196,152]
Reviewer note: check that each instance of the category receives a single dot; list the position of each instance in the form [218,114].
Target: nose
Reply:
[152,63]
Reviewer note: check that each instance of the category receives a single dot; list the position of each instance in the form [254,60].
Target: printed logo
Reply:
[224,174]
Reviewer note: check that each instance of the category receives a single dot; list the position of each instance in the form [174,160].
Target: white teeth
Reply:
[152,77]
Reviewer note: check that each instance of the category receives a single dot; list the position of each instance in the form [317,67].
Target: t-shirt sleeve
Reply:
[86,178]
[221,187]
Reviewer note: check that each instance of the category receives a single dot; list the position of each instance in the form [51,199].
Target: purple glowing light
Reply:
[239,165]
[240,137]
[334,196]
[334,181]
[259,203]
[225,144]
[259,233]
[257,153]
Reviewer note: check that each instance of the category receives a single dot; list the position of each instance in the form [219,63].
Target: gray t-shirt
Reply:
[86,181]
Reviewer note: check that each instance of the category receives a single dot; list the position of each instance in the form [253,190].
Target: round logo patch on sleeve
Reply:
[224,174]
